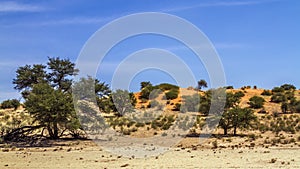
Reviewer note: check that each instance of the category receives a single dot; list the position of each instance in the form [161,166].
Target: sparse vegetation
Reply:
[256,102]
[14,103]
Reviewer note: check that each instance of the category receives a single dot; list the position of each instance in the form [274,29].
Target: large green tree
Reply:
[57,72]
[52,109]
[234,116]
[47,93]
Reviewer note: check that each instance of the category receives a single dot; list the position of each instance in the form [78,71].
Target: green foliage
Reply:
[177,107]
[266,93]
[278,98]
[201,83]
[191,103]
[145,84]
[234,116]
[124,102]
[172,94]
[277,90]
[52,109]
[47,93]
[229,87]
[237,118]
[288,87]
[147,91]
[233,99]
[163,122]
[90,88]
[295,106]
[14,103]
[57,73]
[284,107]
[167,86]
[256,102]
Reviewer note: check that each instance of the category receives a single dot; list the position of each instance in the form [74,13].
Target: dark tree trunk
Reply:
[225,130]
[55,131]
[234,131]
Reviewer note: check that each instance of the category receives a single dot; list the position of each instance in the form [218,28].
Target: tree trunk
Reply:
[55,130]
[51,134]
[234,131]
[225,130]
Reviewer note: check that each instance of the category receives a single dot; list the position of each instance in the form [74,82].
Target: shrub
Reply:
[273,160]
[166,86]
[288,87]
[172,94]
[14,103]
[256,102]
[266,93]
[278,98]
[215,144]
[192,103]
[139,124]
[177,107]
[229,87]
[146,91]
[277,90]
[164,134]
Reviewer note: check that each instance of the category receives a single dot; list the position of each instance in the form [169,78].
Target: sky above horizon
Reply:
[258,41]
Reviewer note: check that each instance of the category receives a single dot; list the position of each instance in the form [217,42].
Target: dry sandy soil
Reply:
[85,154]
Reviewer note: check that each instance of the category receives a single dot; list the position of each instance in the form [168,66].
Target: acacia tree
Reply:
[241,118]
[123,102]
[88,88]
[52,109]
[58,73]
[202,83]
[47,93]
[234,116]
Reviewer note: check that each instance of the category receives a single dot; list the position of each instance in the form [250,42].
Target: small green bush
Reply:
[166,86]
[266,93]
[278,98]
[172,94]
[14,103]
[277,90]
[256,102]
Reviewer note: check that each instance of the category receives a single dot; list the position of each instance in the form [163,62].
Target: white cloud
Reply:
[216,45]
[219,3]
[18,7]
[76,20]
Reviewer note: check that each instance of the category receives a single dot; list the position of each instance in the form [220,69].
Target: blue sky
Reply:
[258,41]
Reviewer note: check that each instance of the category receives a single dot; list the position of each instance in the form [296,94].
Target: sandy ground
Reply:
[86,155]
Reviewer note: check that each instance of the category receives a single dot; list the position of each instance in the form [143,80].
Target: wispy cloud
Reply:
[76,20]
[218,4]
[216,45]
[63,21]
[18,7]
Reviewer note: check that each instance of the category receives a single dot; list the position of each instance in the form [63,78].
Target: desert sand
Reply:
[85,154]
